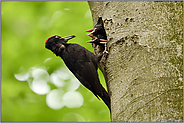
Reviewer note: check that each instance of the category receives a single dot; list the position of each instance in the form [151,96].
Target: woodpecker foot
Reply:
[105,51]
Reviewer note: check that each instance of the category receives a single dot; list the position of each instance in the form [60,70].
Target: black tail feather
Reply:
[105,97]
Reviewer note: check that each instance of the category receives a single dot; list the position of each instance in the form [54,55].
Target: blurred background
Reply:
[35,84]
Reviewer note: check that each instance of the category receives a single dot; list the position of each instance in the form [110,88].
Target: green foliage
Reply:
[24,28]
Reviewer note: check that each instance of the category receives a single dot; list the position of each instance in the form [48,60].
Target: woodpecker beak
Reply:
[89,30]
[101,41]
[67,38]
[91,33]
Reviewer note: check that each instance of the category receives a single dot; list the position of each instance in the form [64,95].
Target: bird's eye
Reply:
[56,36]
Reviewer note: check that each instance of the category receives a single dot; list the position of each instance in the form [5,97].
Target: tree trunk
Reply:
[143,69]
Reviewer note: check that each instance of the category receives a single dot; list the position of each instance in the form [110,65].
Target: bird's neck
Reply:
[59,49]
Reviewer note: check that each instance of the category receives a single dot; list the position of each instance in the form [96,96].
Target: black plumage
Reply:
[81,62]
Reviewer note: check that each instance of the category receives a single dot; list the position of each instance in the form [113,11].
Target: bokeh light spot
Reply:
[54,99]
[56,80]
[39,74]
[73,84]
[73,99]
[40,86]
[56,16]
[22,76]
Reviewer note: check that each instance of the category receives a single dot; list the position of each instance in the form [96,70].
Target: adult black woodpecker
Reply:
[81,62]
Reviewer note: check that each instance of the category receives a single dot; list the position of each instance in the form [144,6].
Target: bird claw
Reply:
[105,51]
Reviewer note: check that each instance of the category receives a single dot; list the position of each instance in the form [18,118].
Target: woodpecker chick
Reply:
[98,35]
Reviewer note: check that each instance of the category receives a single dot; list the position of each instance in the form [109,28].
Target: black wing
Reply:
[81,63]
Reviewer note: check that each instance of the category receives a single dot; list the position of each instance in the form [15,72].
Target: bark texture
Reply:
[144,67]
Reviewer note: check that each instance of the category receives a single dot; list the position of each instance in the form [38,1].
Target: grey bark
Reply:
[143,69]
